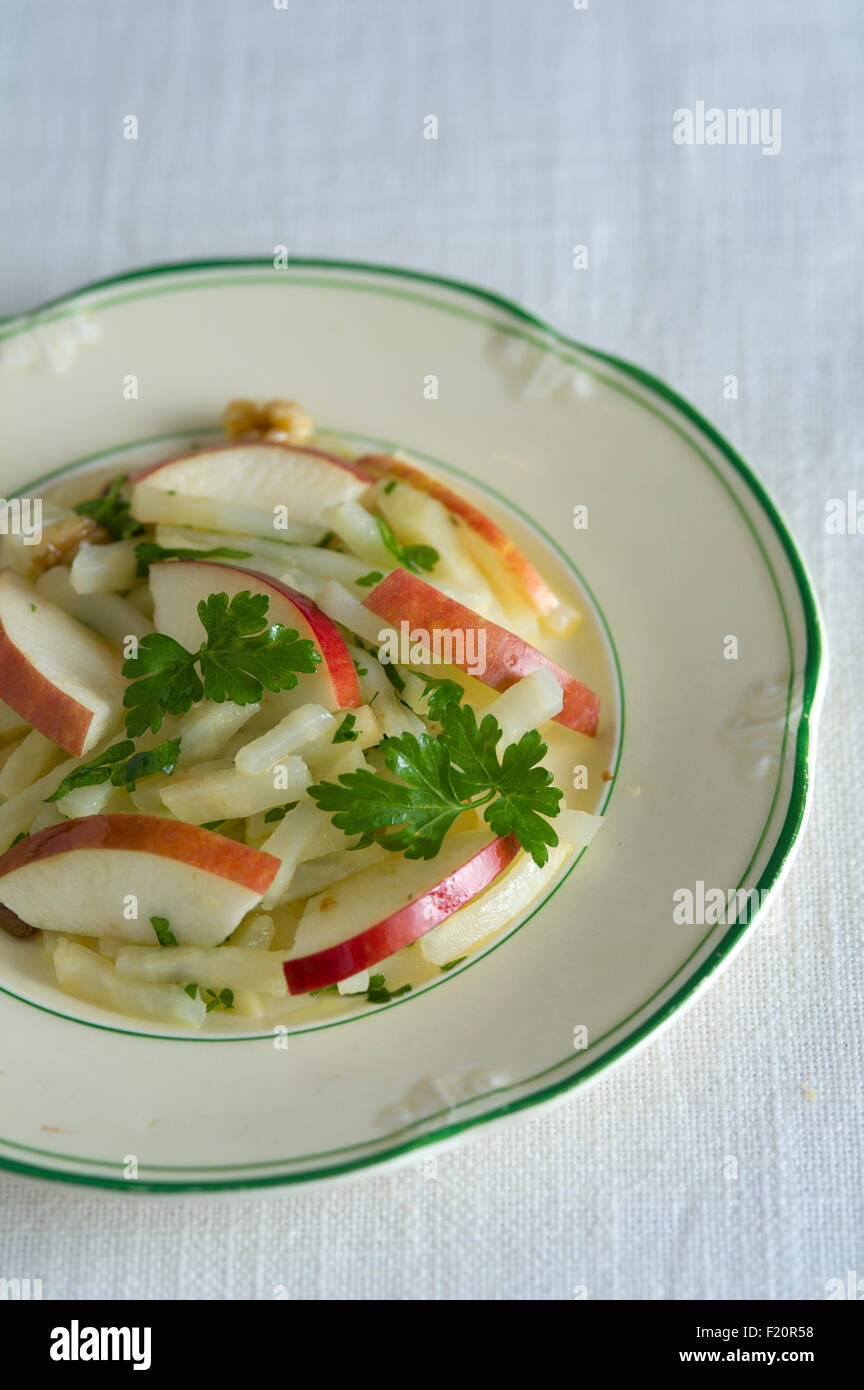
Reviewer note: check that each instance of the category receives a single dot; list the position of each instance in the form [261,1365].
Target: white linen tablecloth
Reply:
[303,126]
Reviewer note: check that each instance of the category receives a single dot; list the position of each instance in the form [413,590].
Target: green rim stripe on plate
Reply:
[425,989]
[70,305]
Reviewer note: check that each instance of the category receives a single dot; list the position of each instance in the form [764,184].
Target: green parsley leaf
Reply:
[346,733]
[121,766]
[112,511]
[241,656]
[438,778]
[378,993]
[393,676]
[367,580]
[278,812]
[410,557]
[191,990]
[388,487]
[325,540]
[164,934]
[22,835]
[451,964]
[361,670]
[223,999]
[210,824]
[440,692]
[165,681]
[148,553]
[148,761]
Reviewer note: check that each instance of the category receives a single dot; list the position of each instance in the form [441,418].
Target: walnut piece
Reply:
[10,922]
[278,421]
[62,540]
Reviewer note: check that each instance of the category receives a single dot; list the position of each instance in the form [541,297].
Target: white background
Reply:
[304,127]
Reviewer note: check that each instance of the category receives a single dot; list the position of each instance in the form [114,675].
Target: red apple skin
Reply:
[55,714]
[538,593]
[202,849]
[324,968]
[347,464]
[403,597]
[334,653]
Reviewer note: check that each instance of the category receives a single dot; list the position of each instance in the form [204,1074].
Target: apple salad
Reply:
[272,730]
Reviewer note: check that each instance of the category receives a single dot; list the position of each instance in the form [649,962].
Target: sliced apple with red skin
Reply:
[402,899]
[528,580]
[85,875]
[405,598]
[178,586]
[54,672]
[263,475]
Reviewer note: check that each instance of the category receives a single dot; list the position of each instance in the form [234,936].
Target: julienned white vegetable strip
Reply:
[304,833]
[360,532]
[17,815]
[334,600]
[526,705]
[104,569]
[49,815]
[313,560]
[10,722]
[292,734]
[34,756]
[346,757]
[92,801]
[214,791]
[141,598]
[175,509]
[234,967]
[325,565]
[114,617]
[256,932]
[359,727]
[421,520]
[206,731]
[192,538]
[90,976]
[354,984]
[247,1004]
[314,875]
[379,694]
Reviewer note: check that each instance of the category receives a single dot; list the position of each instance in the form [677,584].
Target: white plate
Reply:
[708,756]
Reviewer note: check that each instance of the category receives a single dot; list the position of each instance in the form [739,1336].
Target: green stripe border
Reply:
[386,444]
[68,305]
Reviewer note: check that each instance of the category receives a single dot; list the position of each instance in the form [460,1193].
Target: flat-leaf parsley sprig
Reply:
[241,656]
[112,511]
[149,553]
[410,557]
[438,779]
[121,766]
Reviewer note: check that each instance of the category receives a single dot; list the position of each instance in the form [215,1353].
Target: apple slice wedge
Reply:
[261,475]
[86,875]
[400,900]
[528,580]
[178,586]
[511,894]
[56,674]
[407,603]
